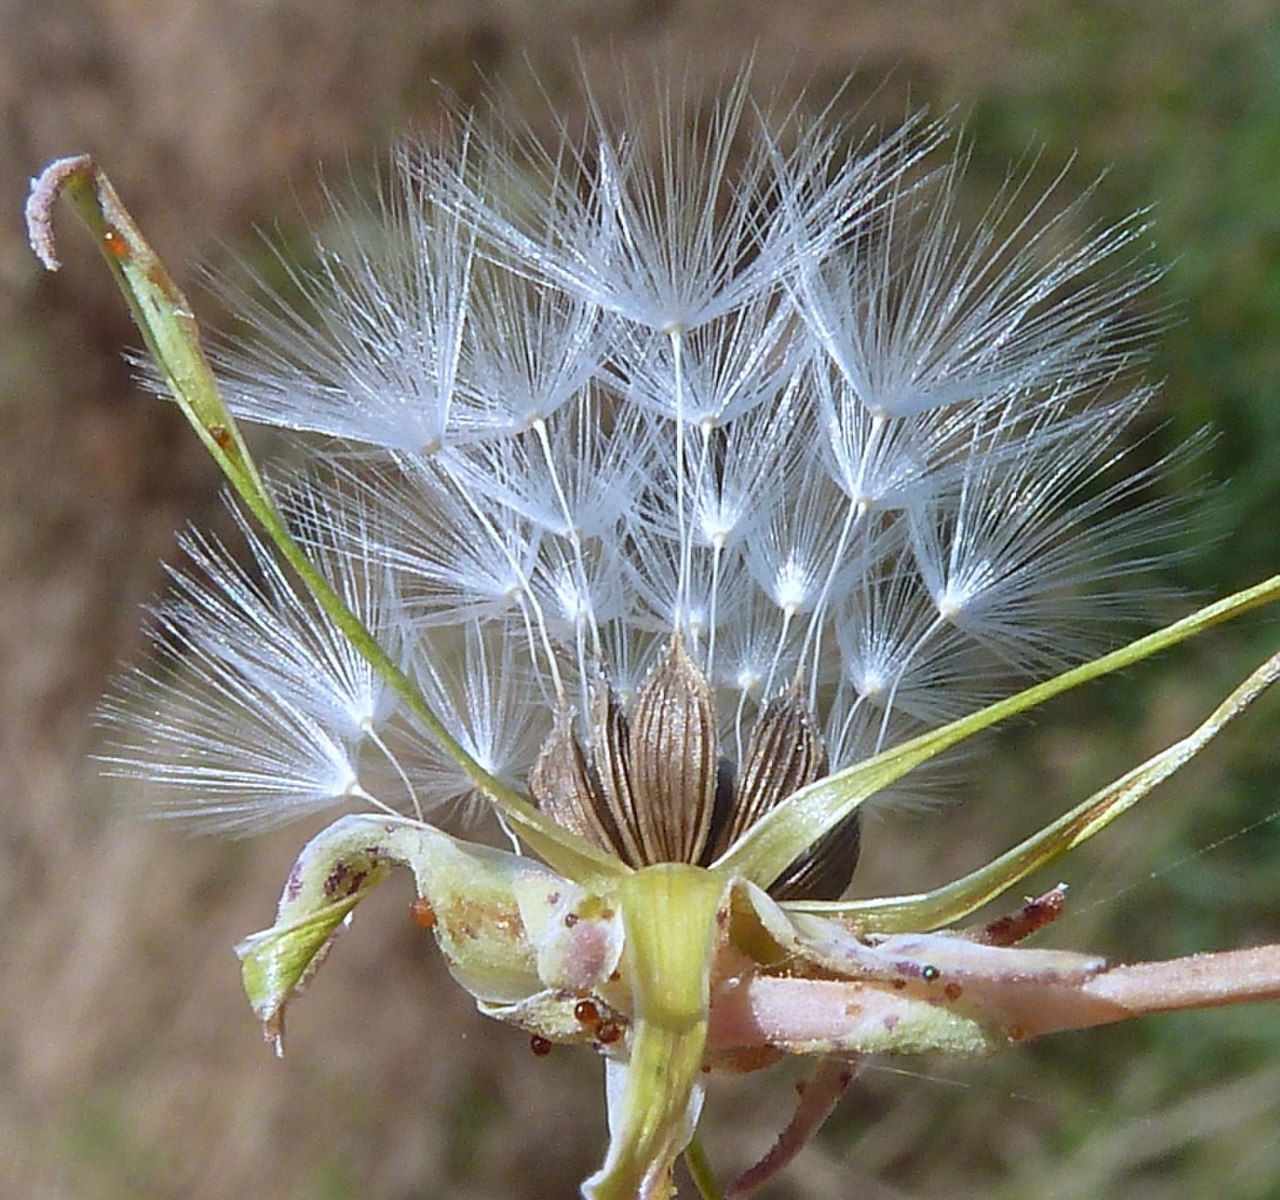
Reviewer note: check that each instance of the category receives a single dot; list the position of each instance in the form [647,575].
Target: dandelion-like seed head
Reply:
[738,399]
[673,497]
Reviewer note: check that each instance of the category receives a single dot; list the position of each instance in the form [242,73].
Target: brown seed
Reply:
[673,760]
[567,788]
[785,753]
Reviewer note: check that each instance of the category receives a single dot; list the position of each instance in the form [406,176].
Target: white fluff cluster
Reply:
[728,378]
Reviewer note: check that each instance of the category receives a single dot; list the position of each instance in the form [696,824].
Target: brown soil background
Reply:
[129,1063]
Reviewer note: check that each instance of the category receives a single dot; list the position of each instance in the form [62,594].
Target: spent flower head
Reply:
[673,498]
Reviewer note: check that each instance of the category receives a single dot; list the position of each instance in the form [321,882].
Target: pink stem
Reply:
[818,1096]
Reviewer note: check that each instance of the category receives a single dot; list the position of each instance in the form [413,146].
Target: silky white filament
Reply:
[733,382]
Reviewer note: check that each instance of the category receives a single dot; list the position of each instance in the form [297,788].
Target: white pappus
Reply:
[737,384]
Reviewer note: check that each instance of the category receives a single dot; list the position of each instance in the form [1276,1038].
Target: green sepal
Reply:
[578,934]
[471,891]
[669,914]
[275,964]
[954,901]
[780,837]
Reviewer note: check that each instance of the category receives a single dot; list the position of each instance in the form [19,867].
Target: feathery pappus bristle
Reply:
[734,391]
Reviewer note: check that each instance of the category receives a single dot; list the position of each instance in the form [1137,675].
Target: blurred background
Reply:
[131,1065]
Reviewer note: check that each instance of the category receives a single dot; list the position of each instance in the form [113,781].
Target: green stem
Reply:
[699,1166]
[164,317]
[669,916]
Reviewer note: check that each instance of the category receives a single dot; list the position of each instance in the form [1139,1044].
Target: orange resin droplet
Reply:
[586,1013]
[115,244]
[540,1046]
[608,1033]
[422,913]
